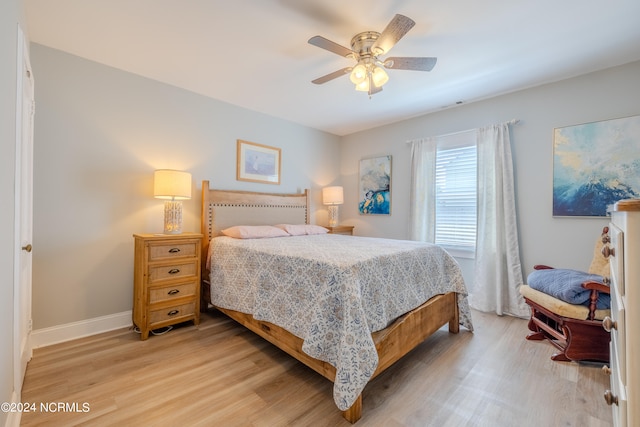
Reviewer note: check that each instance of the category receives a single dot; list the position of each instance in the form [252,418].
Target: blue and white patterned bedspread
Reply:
[333,291]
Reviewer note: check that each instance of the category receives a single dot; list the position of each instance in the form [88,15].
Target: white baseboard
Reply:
[83,328]
[13,420]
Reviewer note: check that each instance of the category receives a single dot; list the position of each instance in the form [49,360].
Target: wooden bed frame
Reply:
[222,208]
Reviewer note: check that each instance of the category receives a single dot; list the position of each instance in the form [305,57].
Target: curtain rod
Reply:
[510,122]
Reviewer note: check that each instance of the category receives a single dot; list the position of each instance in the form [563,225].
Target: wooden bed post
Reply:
[454,324]
[354,413]
[205,292]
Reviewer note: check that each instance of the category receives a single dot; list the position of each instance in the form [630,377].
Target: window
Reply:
[441,168]
[456,194]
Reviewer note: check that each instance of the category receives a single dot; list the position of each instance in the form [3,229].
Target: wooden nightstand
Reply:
[166,284]
[341,229]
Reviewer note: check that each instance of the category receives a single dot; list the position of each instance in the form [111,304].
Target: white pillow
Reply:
[253,232]
[302,229]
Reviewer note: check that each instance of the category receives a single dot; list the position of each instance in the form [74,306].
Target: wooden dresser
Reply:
[166,285]
[624,323]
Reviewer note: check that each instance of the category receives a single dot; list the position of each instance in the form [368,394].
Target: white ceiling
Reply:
[254,53]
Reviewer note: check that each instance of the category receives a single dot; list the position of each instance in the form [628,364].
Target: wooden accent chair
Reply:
[576,330]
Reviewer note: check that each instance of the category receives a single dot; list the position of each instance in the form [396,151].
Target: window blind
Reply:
[456,197]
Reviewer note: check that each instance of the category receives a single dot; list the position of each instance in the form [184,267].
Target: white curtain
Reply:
[497,269]
[422,213]
[498,272]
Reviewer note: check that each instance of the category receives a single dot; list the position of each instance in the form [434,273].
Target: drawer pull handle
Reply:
[608,324]
[173,292]
[606,370]
[173,312]
[610,398]
[174,250]
[174,271]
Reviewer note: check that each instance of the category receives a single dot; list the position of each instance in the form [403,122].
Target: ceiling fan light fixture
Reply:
[358,74]
[378,76]
[363,86]
[368,74]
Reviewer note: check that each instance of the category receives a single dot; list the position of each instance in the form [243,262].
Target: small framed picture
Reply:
[258,163]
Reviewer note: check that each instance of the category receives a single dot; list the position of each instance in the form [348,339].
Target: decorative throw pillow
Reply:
[254,232]
[302,229]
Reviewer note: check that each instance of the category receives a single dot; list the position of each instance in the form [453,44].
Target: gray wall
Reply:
[567,242]
[11,13]
[99,135]
[101,132]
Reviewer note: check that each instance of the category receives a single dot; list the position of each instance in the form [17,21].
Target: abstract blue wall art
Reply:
[595,165]
[375,186]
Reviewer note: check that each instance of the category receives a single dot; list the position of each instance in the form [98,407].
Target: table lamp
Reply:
[173,186]
[332,196]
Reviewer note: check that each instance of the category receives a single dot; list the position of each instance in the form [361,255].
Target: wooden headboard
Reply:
[226,208]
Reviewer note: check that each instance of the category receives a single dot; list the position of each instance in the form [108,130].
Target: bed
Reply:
[334,302]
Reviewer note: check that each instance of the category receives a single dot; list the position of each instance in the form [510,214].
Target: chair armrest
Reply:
[597,286]
[542,267]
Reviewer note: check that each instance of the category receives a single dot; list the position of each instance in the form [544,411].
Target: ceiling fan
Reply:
[368,73]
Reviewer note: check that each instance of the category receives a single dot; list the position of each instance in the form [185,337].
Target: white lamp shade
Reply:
[171,184]
[332,195]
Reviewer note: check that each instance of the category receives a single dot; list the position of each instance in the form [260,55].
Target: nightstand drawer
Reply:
[172,250]
[174,271]
[172,313]
[167,293]
[341,229]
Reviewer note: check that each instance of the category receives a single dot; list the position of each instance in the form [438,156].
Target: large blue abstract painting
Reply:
[595,165]
[375,186]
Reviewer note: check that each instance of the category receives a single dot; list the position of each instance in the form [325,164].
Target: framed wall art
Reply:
[375,186]
[595,165]
[258,163]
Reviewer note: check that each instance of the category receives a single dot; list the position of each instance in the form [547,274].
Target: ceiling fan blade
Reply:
[408,63]
[330,46]
[395,30]
[331,76]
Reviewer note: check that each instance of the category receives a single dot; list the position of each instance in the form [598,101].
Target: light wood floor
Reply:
[219,374]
